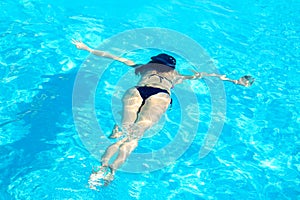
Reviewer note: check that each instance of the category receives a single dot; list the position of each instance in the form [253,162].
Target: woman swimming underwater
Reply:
[143,105]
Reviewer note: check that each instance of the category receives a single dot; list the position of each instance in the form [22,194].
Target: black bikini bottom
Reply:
[146,92]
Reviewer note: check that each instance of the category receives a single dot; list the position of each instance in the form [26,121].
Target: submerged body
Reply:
[143,106]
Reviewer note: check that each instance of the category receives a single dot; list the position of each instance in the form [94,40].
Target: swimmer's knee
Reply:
[134,143]
[129,144]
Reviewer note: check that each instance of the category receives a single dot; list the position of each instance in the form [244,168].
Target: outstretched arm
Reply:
[82,46]
[244,81]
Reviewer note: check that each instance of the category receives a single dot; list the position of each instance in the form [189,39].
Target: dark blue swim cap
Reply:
[164,59]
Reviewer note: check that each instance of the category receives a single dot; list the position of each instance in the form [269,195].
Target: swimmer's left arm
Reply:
[82,46]
[244,81]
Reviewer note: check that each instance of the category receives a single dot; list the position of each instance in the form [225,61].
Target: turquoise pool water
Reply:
[257,154]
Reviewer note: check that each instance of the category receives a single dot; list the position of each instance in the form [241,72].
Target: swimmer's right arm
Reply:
[80,45]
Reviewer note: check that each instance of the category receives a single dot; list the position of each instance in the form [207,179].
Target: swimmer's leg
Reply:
[150,113]
[103,175]
[132,101]
[110,151]
[154,107]
[125,150]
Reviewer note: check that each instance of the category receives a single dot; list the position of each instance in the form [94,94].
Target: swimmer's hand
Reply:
[246,81]
[80,45]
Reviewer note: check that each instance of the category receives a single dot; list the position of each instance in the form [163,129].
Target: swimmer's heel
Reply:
[116,133]
[109,177]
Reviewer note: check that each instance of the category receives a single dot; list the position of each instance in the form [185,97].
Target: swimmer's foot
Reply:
[116,133]
[97,178]
[109,177]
